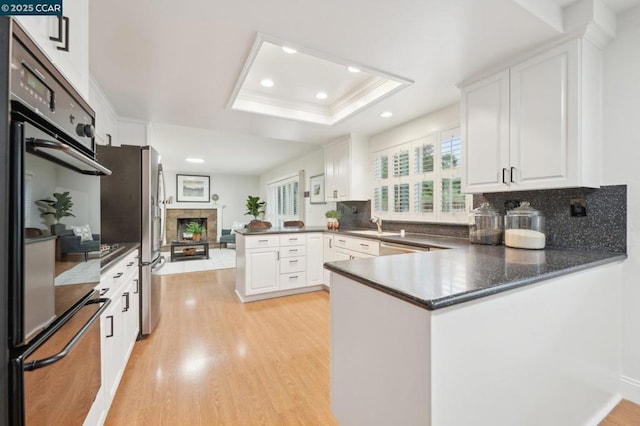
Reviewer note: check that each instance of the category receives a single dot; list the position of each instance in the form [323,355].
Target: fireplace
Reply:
[178,218]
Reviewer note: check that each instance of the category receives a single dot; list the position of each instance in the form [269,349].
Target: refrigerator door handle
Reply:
[34,365]
[157,264]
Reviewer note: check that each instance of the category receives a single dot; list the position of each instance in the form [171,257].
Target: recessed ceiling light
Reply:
[386,114]
[194,160]
[321,95]
[353,69]
[289,50]
[266,82]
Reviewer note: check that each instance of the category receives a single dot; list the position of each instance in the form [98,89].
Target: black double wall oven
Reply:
[54,307]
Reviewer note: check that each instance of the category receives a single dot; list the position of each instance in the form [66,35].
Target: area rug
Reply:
[83,272]
[218,259]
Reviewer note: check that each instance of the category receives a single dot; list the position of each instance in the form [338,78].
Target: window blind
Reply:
[401,197]
[451,150]
[423,158]
[381,199]
[401,163]
[381,167]
[283,200]
[423,197]
[453,200]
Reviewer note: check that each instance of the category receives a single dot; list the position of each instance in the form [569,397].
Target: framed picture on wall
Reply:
[316,192]
[192,188]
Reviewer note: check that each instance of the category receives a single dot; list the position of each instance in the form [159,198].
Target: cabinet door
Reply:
[315,259]
[340,254]
[112,353]
[543,140]
[262,270]
[327,256]
[337,171]
[485,134]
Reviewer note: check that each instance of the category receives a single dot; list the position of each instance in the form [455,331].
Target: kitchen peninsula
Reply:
[475,335]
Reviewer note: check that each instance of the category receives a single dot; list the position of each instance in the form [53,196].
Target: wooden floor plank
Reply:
[215,361]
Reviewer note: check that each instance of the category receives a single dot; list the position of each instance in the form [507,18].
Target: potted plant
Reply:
[255,208]
[195,229]
[332,219]
[58,208]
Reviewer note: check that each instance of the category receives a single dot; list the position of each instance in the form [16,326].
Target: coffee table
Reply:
[202,250]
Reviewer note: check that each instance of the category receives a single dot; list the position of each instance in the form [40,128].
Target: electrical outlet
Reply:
[578,207]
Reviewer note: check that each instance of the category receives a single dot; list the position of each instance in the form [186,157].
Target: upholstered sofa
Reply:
[227,237]
[70,243]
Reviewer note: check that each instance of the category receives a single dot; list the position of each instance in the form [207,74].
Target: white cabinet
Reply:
[345,172]
[263,272]
[535,125]
[327,256]
[275,265]
[315,259]
[347,248]
[119,326]
[71,53]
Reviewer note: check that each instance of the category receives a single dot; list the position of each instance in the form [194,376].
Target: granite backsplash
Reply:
[603,228]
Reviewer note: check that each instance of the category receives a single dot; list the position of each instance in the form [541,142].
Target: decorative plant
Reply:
[333,214]
[255,207]
[194,228]
[58,208]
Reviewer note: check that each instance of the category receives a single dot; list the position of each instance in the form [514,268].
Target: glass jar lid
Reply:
[484,209]
[524,209]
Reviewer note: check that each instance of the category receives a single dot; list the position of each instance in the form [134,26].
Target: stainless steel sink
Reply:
[388,249]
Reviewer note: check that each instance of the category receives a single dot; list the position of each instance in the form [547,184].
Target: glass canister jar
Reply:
[485,225]
[524,227]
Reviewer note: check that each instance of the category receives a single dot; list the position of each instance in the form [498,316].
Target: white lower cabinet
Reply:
[119,327]
[263,271]
[327,256]
[275,265]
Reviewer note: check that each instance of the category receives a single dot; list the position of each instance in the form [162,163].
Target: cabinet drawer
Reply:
[289,251]
[293,264]
[262,241]
[293,240]
[371,247]
[292,280]
[340,241]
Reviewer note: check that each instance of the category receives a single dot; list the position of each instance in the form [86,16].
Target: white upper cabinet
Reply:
[345,169]
[535,125]
[106,117]
[65,41]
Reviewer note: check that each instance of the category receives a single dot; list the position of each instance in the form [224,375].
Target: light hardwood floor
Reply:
[215,361]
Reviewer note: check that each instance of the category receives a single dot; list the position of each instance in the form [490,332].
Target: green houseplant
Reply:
[332,219]
[195,229]
[58,208]
[255,207]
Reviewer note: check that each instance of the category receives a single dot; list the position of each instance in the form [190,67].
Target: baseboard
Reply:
[604,410]
[630,389]
[271,295]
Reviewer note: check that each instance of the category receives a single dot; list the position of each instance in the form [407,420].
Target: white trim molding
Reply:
[630,388]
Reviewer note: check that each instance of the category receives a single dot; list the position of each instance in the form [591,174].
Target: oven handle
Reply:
[59,146]
[34,365]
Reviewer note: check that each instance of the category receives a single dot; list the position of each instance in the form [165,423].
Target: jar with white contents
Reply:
[524,227]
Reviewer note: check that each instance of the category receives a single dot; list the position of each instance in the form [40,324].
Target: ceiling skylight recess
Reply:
[346,87]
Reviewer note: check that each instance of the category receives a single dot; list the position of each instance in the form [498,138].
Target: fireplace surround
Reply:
[208,218]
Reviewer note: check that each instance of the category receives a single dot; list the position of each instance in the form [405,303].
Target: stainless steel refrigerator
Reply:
[131,211]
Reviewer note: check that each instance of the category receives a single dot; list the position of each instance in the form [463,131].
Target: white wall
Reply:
[621,106]
[232,189]
[443,119]
[312,164]
[131,132]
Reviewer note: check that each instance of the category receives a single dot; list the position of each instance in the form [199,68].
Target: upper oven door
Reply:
[56,220]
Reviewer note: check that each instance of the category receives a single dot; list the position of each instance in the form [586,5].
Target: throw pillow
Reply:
[84,232]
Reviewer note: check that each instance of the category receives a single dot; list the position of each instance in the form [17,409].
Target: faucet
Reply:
[378,222]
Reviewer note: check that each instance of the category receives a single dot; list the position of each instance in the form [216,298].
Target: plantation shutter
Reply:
[423,196]
[401,197]
[401,163]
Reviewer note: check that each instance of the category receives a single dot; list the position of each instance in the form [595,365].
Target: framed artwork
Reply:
[316,193]
[192,188]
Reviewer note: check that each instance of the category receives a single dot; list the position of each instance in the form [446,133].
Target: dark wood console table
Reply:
[202,250]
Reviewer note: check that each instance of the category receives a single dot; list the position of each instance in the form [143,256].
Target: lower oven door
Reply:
[61,377]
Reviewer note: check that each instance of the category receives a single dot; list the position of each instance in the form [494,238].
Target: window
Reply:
[283,199]
[425,182]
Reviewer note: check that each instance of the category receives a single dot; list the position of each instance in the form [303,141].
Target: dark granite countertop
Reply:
[110,258]
[441,278]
